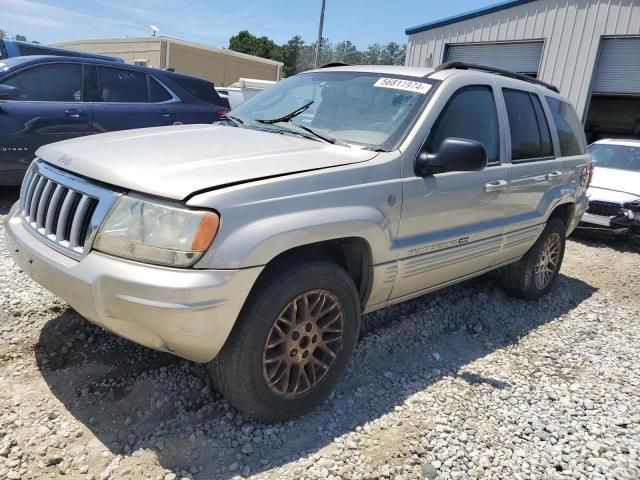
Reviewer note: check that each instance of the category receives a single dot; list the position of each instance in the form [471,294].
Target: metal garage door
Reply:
[520,57]
[618,68]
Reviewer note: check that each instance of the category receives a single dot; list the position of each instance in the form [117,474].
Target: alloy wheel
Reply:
[548,260]
[303,343]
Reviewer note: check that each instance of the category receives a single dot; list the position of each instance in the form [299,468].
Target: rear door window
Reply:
[52,82]
[568,126]
[543,125]
[121,85]
[470,113]
[530,137]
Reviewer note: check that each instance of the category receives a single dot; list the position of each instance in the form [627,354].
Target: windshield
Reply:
[622,157]
[368,109]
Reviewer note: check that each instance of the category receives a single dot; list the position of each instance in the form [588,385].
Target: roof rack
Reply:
[498,71]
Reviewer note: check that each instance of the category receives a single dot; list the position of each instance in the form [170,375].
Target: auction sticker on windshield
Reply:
[400,84]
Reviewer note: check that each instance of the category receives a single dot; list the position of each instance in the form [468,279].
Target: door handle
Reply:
[553,175]
[165,113]
[73,112]
[495,186]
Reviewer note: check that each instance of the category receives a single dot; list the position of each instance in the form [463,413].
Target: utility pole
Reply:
[319,44]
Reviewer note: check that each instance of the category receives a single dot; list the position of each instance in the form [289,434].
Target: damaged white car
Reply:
[614,193]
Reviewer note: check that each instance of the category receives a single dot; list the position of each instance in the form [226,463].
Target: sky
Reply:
[212,22]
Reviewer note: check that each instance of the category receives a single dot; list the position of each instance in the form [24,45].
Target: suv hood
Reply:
[176,161]
[621,181]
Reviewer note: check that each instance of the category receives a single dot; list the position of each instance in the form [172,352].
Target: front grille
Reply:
[61,209]
[605,209]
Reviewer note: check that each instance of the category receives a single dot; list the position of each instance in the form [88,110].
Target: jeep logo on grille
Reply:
[64,160]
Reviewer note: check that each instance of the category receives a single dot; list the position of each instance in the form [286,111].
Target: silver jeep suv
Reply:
[256,246]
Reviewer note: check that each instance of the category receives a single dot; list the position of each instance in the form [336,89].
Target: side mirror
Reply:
[7,92]
[454,155]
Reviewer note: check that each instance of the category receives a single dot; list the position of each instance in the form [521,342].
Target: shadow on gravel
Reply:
[132,398]
[619,244]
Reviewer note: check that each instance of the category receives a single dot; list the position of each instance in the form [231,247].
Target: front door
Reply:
[452,223]
[49,109]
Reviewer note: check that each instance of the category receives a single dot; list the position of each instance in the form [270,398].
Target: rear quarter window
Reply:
[568,126]
[201,89]
[157,92]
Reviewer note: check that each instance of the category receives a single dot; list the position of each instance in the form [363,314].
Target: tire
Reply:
[270,336]
[519,279]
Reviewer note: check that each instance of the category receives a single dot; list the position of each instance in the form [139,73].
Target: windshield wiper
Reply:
[288,116]
[235,120]
[326,138]
[377,149]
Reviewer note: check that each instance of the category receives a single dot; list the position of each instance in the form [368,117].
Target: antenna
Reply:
[154,29]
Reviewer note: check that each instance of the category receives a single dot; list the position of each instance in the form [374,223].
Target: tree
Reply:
[372,54]
[291,52]
[245,42]
[346,52]
[20,38]
[3,34]
[298,56]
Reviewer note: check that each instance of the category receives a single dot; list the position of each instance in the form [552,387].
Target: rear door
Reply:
[201,102]
[123,99]
[49,109]
[538,175]
[452,222]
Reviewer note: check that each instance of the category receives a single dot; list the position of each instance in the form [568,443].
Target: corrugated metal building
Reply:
[590,49]
[221,66]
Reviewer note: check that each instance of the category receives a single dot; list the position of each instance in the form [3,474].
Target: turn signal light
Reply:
[590,167]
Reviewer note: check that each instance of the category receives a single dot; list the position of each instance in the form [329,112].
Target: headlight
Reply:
[155,233]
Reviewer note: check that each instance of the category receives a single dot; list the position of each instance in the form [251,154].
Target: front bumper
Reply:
[187,312]
[610,225]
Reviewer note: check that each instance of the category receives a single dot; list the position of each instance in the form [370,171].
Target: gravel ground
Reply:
[465,383]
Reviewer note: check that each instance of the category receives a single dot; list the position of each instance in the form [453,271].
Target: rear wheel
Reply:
[292,342]
[535,273]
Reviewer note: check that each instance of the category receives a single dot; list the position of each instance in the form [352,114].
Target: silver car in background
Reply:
[256,246]
[614,193]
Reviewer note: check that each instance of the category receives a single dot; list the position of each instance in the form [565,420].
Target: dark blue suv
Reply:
[45,99]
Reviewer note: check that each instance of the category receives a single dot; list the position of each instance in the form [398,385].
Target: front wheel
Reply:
[292,343]
[535,273]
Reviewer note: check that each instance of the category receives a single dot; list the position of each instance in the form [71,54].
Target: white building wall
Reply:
[571,30]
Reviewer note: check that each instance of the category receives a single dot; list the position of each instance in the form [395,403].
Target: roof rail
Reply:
[498,71]
[334,64]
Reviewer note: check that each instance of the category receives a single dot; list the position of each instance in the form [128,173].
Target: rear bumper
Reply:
[578,212]
[187,312]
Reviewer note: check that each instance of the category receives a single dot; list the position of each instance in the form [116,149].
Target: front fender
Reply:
[262,219]
[260,241]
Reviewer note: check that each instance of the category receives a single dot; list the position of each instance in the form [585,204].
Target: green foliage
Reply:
[290,55]
[298,56]
[21,38]
[264,47]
